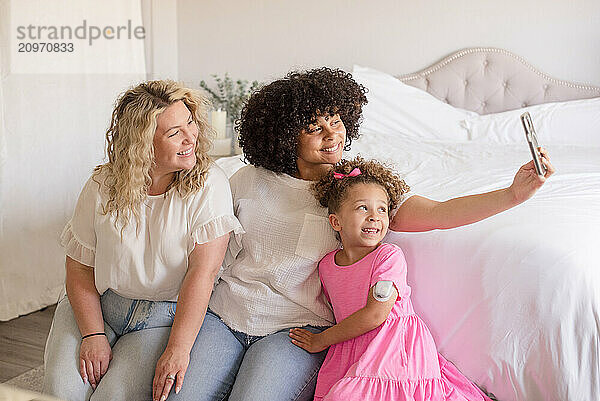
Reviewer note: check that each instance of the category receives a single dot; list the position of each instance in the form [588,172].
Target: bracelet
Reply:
[93,334]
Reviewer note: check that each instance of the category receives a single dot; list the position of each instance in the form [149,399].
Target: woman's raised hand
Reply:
[170,370]
[94,356]
[527,182]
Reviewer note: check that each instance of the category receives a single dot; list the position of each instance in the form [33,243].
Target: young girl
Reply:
[379,348]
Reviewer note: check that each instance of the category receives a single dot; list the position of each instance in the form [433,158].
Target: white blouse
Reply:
[150,263]
[270,280]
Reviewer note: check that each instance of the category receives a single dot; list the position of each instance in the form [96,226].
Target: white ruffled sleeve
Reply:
[216,228]
[79,236]
[212,209]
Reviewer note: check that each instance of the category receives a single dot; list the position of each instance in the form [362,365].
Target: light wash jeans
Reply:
[235,366]
[137,331]
[224,364]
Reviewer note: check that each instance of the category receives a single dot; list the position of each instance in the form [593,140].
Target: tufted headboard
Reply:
[489,80]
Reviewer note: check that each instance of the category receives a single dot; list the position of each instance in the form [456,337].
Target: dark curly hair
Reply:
[330,191]
[273,117]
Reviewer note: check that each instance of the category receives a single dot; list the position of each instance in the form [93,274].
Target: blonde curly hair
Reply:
[331,192]
[130,148]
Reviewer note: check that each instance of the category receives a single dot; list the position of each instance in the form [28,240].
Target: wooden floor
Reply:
[22,342]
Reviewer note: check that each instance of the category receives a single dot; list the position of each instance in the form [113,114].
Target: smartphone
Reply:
[531,137]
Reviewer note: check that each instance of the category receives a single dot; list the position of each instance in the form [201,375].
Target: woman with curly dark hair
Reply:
[293,131]
[273,118]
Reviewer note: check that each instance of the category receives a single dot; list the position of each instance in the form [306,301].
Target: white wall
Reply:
[160,46]
[264,39]
[51,137]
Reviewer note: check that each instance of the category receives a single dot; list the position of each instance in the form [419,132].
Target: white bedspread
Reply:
[514,300]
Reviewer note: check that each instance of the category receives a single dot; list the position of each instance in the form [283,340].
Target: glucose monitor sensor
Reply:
[383,290]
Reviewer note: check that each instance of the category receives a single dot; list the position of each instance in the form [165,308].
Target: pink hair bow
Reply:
[353,173]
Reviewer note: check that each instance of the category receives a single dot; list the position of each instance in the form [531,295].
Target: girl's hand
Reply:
[527,182]
[94,356]
[311,342]
[170,370]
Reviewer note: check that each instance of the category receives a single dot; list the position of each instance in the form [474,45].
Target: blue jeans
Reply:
[137,331]
[227,364]
[223,362]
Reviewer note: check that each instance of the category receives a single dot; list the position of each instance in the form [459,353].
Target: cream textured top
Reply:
[151,263]
[270,280]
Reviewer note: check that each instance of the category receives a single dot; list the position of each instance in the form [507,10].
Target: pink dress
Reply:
[396,361]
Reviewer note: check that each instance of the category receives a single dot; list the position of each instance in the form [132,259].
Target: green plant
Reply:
[229,95]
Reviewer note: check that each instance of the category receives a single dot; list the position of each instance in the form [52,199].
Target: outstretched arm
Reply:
[363,320]
[421,214]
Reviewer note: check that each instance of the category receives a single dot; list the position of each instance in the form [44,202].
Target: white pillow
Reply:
[401,109]
[576,122]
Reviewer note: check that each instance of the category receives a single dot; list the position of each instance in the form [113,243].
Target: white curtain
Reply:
[52,122]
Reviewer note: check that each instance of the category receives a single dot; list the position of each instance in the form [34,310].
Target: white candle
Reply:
[219,123]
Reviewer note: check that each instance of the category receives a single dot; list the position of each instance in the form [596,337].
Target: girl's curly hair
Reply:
[331,191]
[274,116]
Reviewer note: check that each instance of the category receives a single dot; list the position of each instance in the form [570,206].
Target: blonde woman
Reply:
[143,247]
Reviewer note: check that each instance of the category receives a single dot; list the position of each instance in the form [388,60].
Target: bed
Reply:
[514,300]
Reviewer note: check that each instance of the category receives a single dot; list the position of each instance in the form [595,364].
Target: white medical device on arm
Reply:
[383,290]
